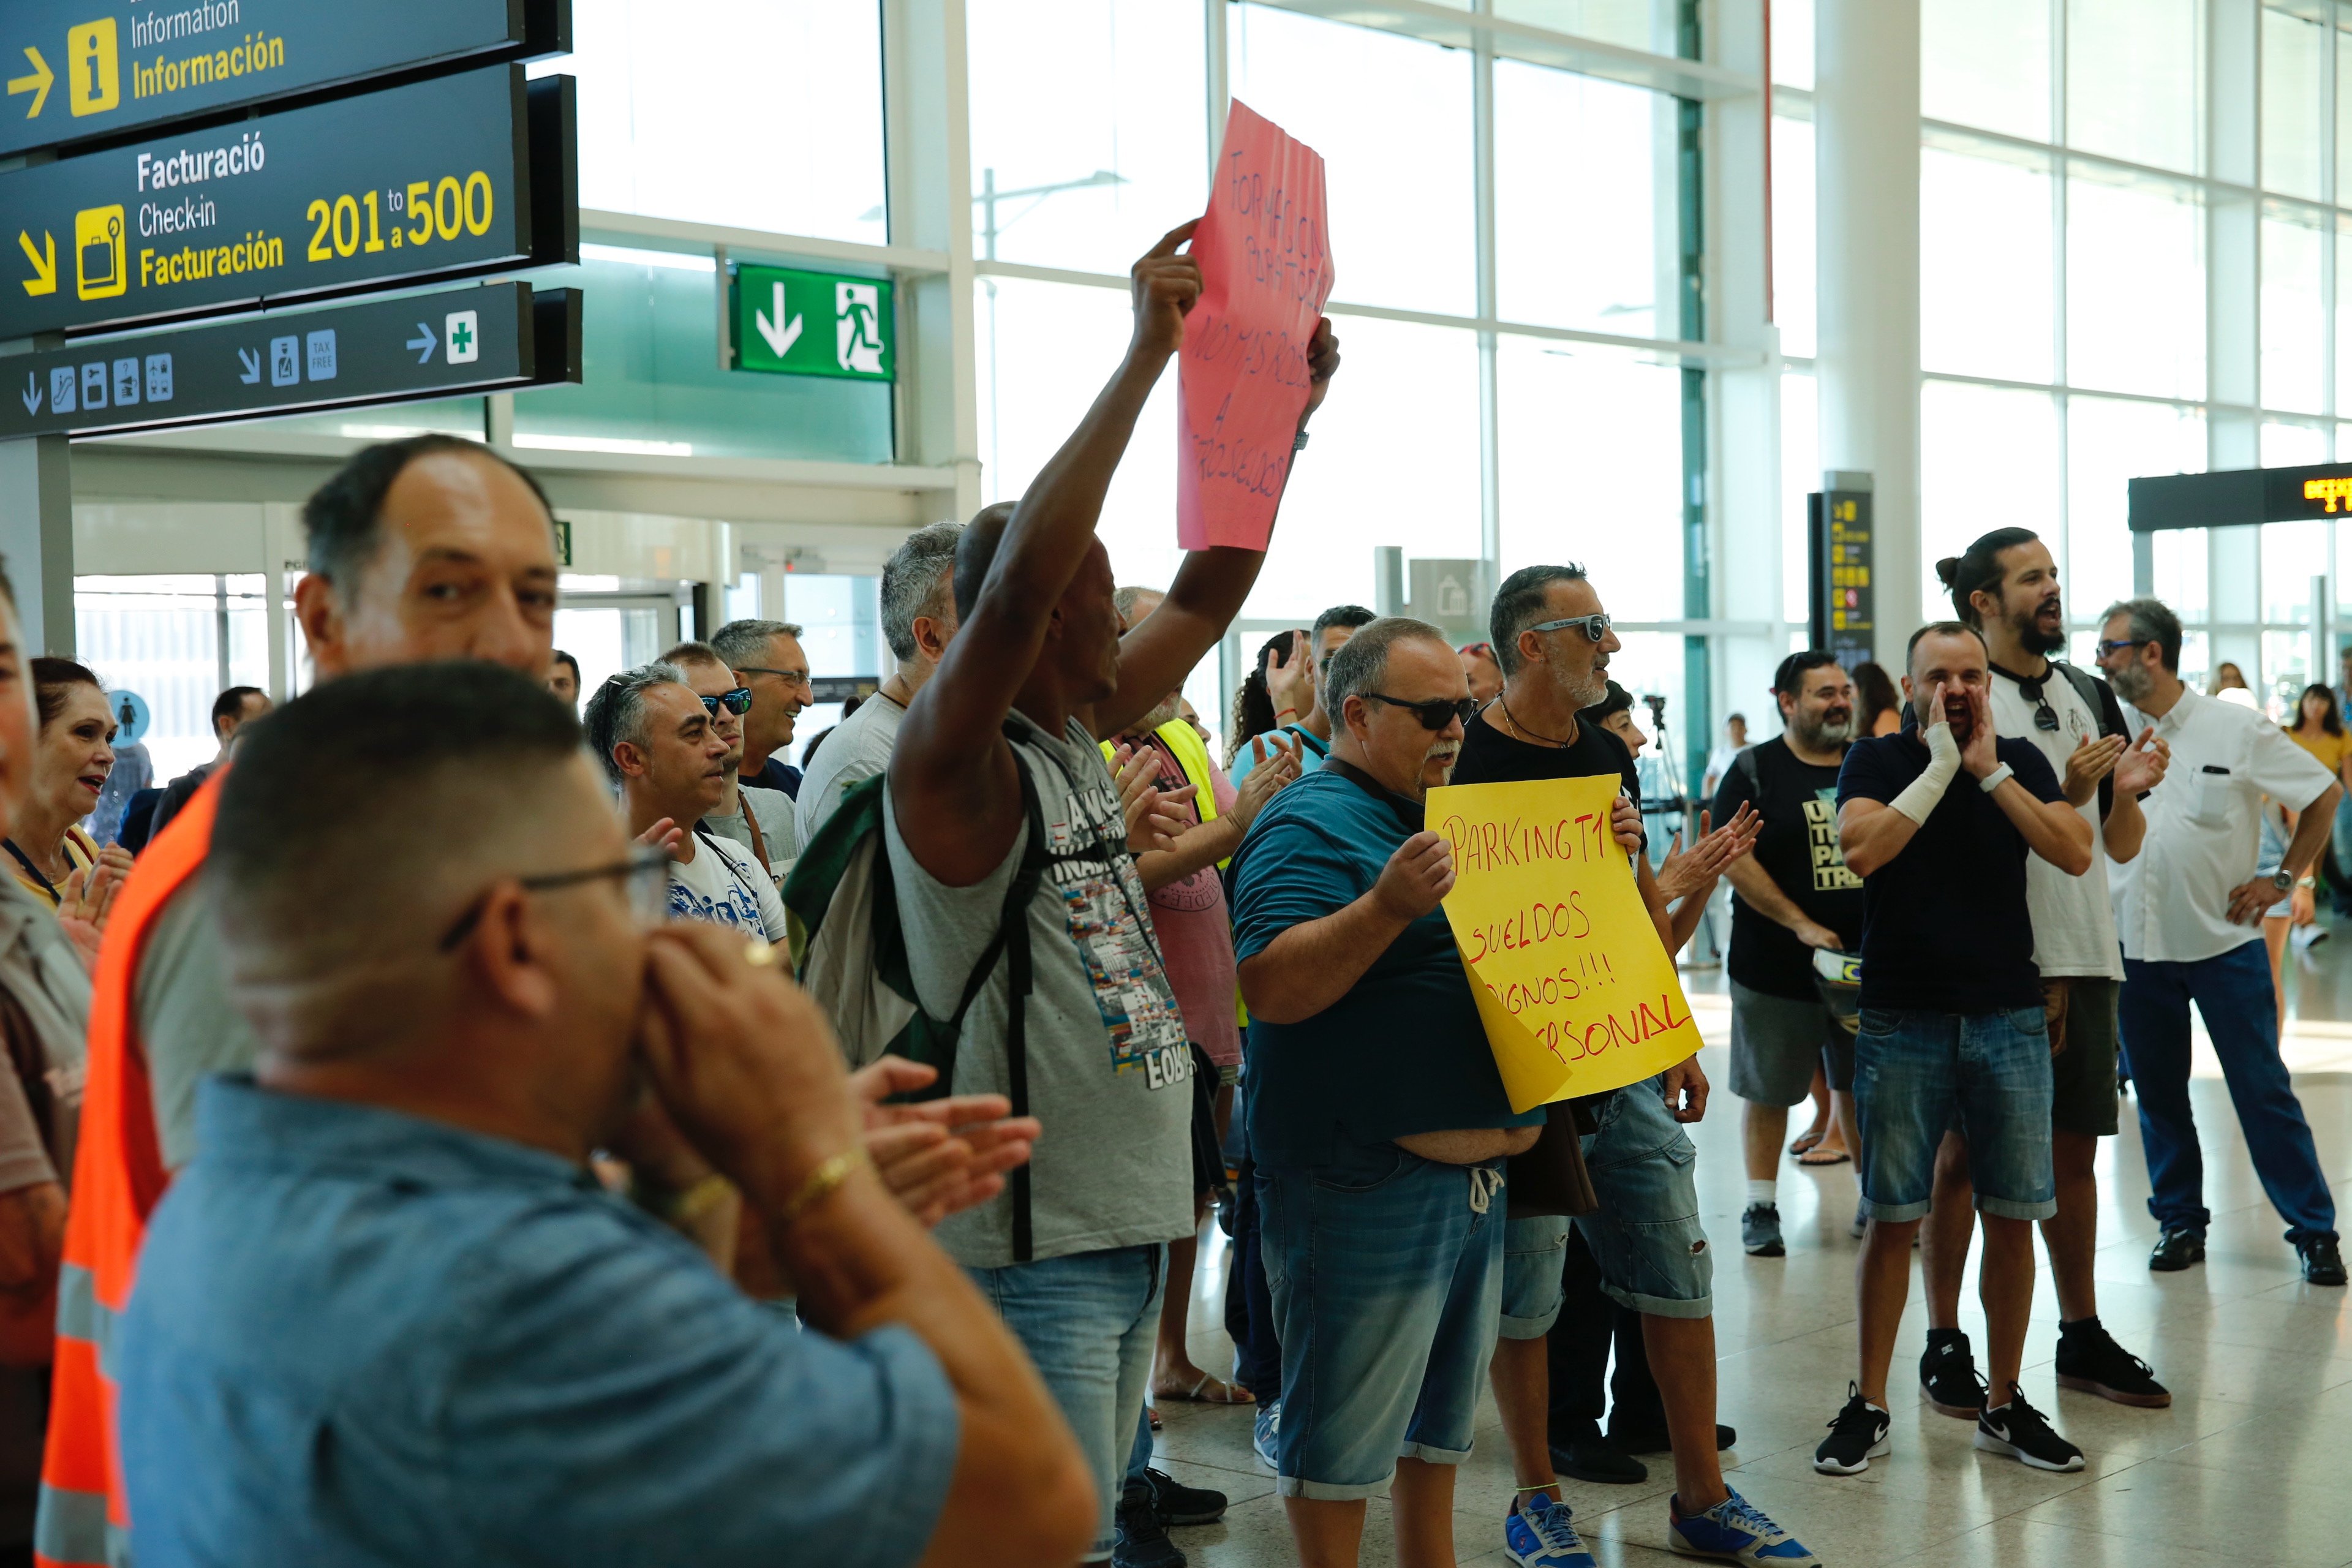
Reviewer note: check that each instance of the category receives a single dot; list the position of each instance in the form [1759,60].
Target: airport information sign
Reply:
[82,69]
[424,345]
[434,179]
[788,322]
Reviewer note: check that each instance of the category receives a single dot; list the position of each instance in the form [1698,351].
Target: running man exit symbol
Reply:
[857,327]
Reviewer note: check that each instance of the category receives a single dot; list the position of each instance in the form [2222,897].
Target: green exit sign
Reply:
[787,323]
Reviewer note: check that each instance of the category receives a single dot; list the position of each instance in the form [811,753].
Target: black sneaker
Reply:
[1142,1534]
[1759,1231]
[2018,1430]
[2176,1249]
[1589,1457]
[1178,1504]
[2323,1261]
[1947,1374]
[1857,1436]
[2090,1362]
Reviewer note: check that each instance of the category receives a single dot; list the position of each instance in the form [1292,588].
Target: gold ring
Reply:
[760,952]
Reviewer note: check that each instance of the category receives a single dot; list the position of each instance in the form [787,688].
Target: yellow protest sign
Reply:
[1577,992]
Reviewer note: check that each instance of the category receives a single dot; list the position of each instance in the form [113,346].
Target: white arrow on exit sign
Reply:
[781,336]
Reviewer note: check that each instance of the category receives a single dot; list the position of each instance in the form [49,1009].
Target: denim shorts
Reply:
[1088,1320]
[1917,1072]
[1534,1260]
[1647,1240]
[1386,1271]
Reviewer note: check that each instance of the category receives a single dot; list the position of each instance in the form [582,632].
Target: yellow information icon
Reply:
[93,84]
[99,270]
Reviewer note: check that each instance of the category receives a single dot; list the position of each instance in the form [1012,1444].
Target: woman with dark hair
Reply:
[56,859]
[1878,700]
[1254,705]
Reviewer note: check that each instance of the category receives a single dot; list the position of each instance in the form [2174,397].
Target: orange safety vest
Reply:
[117,1179]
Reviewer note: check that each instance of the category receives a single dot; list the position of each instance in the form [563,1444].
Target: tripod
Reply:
[1672,804]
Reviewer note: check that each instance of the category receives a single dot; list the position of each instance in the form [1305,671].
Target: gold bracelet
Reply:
[824,1180]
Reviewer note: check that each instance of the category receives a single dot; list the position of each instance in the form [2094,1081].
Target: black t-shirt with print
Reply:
[1490,756]
[1798,848]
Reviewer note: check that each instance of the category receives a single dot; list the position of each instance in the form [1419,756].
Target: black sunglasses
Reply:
[2044,716]
[737,702]
[646,869]
[1434,714]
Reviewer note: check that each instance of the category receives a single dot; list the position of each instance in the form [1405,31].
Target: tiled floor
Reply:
[2252,1464]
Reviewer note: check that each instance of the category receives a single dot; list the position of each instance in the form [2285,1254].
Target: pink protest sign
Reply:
[1265,271]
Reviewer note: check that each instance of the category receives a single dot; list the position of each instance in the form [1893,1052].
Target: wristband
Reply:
[684,1205]
[1919,797]
[1995,779]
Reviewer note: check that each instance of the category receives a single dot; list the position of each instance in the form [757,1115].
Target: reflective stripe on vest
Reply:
[1191,754]
[117,1178]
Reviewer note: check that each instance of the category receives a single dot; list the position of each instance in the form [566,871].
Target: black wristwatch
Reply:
[2282,880]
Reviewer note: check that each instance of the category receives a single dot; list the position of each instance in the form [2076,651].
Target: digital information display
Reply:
[434,179]
[1845,605]
[424,345]
[79,68]
[2241,496]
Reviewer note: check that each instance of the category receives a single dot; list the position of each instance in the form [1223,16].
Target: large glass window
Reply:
[1088,134]
[2135,284]
[177,641]
[1390,115]
[2293,58]
[1984,265]
[1988,458]
[2133,82]
[1987,63]
[1549,205]
[2109,443]
[747,113]
[2295,337]
[1794,235]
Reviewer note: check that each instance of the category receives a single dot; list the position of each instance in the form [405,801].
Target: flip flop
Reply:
[1804,1143]
[1228,1393]
[1812,1157]
[1155,1418]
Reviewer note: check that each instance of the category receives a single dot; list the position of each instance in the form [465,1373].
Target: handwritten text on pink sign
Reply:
[1266,273]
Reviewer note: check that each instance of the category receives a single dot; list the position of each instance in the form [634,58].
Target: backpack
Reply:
[849,953]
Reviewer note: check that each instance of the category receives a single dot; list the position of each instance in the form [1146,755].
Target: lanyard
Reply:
[57,900]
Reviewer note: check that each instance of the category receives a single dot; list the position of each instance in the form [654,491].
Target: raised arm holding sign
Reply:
[1266,273]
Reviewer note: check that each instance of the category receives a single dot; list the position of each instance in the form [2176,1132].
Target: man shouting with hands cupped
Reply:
[1938,820]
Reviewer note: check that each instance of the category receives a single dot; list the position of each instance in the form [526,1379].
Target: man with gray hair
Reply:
[1377,1116]
[2190,912]
[759,820]
[769,656]
[919,616]
[657,743]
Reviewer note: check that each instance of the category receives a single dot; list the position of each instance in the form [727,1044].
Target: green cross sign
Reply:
[783,322]
[461,339]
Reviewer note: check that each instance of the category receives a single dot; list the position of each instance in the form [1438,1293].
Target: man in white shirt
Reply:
[918,618]
[658,744]
[1719,761]
[2007,586]
[2190,910]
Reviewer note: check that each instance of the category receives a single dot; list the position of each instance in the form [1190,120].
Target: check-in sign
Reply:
[460,175]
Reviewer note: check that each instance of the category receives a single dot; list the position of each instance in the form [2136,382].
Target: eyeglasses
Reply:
[646,871]
[737,702]
[789,676]
[2113,644]
[1434,714]
[1596,627]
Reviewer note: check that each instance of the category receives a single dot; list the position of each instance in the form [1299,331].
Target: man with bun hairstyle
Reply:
[2006,585]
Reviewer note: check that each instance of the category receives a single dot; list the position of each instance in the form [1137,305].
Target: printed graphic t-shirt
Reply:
[1109,1066]
[1798,848]
[723,885]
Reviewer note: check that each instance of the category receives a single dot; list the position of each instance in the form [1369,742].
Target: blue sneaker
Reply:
[1537,1535]
[1268,1422]
[1735,1531]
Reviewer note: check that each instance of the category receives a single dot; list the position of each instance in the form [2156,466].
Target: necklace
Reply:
[1517,733]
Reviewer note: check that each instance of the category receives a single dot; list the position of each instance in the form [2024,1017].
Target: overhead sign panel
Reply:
[788,322]
[430,180]
[81,68]
[425,345]
[2239,496]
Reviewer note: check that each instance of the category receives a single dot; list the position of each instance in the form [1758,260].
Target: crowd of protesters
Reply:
[422,1150]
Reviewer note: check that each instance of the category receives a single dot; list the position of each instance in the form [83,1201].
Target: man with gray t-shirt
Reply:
[919,617]
[997,780]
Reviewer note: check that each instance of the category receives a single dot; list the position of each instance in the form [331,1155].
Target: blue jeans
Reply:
[1088,1321]
[1647,1240]
[2233,994]
[1912,1070]
[1535,1257]
[1387,1273]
